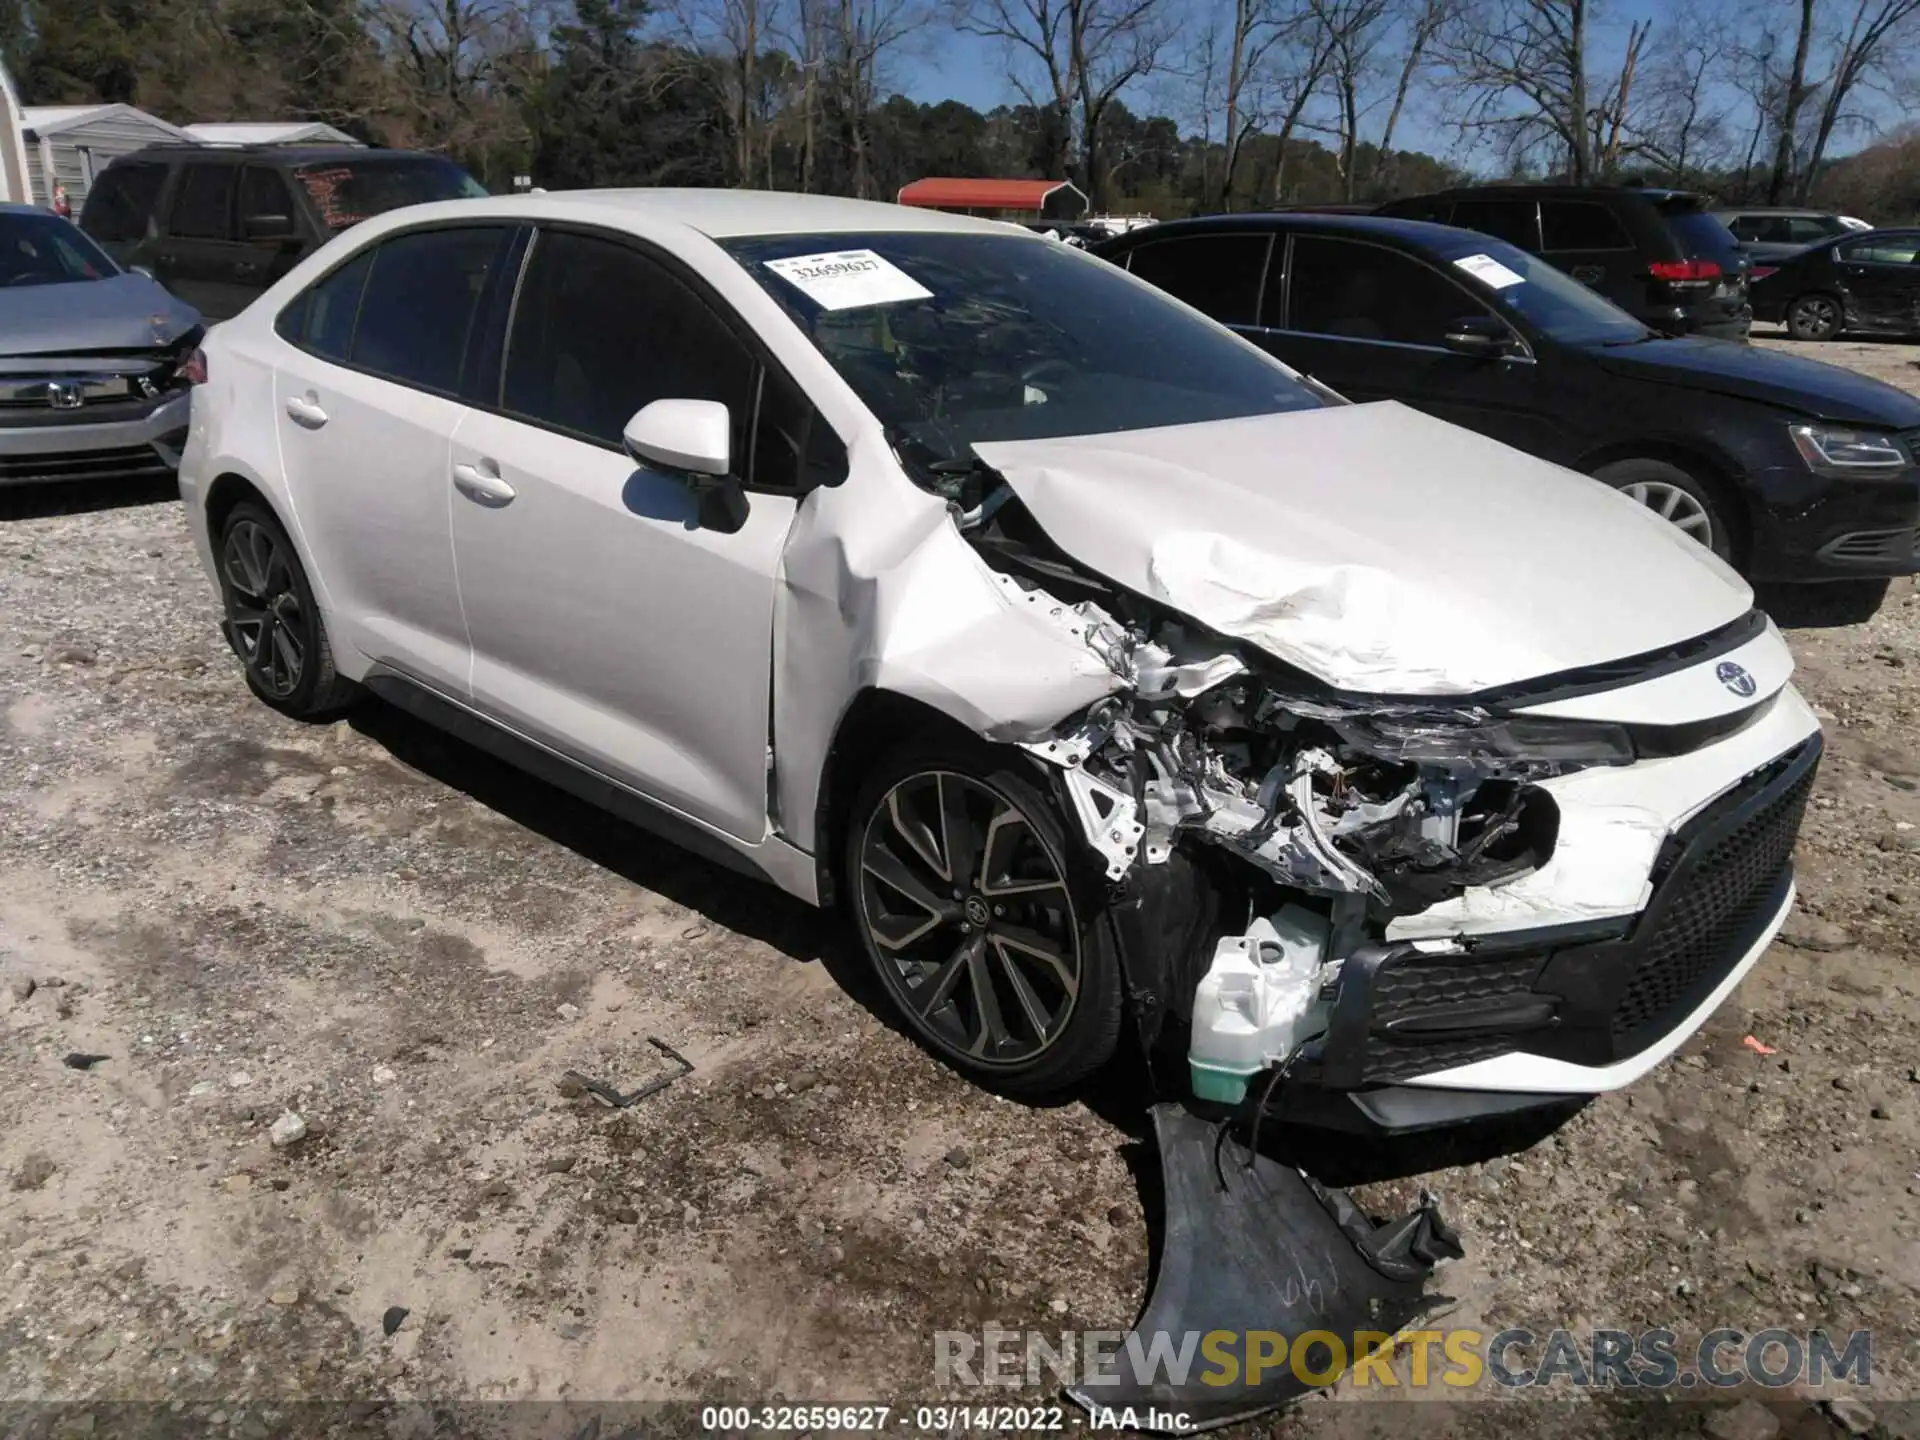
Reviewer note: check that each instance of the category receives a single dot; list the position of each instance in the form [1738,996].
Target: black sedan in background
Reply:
[1867,280]
[1790,469]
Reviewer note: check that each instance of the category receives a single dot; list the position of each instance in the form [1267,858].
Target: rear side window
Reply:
[601,330]
[1807,229]
[1580,225]
[1886,250]
[419,305]
[122,200]
[1218,275]
[203,204]
[1515,221]
[322,319]
[1366,292]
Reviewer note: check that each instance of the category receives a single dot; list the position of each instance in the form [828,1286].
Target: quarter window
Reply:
[601,331]
[263,192]
[420,301]
[203,210]
[121,202]
[1579,225]
[1218,275]
[1366,292]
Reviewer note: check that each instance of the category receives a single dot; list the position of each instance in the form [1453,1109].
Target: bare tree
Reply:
[1793,98]
[1687,111]
[454,66]
[1352,29]
[1877,30]
[1239,47]
[1422,23]
[1611,117]
[1087,52]
[1523,67]
[860,35]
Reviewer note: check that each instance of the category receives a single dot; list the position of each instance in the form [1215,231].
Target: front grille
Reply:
[1720,896]
[126,462]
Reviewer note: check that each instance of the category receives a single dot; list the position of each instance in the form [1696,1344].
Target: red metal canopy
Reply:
[942,194]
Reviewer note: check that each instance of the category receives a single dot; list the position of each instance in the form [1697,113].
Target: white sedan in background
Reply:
[1100,666]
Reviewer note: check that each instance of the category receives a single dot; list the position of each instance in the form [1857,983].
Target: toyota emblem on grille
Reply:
[65,394]
[1736,678]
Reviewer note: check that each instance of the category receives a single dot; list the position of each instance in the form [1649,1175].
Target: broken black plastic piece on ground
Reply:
[607,1095]
[1258,1250]
[80,1060]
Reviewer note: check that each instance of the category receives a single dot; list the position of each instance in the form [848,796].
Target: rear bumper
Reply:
[142,447]
[1420,1038]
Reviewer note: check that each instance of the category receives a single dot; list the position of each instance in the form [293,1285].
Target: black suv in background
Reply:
[217,225]
[1660,255]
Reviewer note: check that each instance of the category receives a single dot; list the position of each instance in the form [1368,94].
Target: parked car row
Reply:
[1788,468]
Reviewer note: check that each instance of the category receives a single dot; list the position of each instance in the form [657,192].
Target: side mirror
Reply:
[267,227]
[1480,336]
[143,270]
[694,439]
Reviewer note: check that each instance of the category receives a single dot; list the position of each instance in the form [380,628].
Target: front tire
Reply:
[272,622]
[1815,317]
[1677,497]
[980,919]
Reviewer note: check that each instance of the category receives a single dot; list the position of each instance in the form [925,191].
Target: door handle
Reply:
[305,412]
[482,484]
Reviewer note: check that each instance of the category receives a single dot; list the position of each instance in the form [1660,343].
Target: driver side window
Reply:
[1354,291]
[600,331]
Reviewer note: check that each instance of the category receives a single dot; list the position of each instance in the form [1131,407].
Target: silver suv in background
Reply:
[1773,233]
[93,377]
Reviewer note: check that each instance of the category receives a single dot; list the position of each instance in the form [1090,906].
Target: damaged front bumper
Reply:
[1432,940]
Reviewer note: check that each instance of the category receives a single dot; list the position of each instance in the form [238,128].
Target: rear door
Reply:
[367,398]
[1882,279]
[1371,322]
[267,225]
[197,254]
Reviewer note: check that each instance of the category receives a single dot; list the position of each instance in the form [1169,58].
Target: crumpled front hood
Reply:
[1376,548]
[122,312]
[1752,372]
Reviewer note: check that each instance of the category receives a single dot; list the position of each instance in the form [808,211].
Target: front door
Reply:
[608,622]
[1371,322]
[366,409]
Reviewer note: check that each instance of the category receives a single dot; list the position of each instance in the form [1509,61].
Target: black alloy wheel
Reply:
[272,621]
[970,911]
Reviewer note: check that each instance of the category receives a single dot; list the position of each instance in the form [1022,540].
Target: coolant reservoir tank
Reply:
[1256,1002]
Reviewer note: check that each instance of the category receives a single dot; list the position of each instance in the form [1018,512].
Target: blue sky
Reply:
[972,69]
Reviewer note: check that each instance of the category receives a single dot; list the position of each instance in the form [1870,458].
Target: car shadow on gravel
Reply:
[38,502]
[724,897]
[1829,605]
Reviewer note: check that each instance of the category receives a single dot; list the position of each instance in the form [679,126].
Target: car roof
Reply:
[1540,192]
[1411,232]
[256,154]
[1787,210]
[726,214]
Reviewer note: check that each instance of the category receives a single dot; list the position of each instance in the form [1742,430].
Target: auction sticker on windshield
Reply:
[848,279]
[1489,271]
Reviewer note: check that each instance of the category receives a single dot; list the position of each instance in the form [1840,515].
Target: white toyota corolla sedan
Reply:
[1104,670]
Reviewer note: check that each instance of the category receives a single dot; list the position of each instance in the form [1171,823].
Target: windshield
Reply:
[1546,297]
[953,338]
[345,192]
[43,249]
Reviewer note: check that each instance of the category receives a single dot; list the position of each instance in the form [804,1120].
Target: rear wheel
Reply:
[272,621]
[1815,317]
[977,919]
[1675,496]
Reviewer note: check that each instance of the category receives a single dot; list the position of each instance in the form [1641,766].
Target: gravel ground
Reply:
[393,938]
